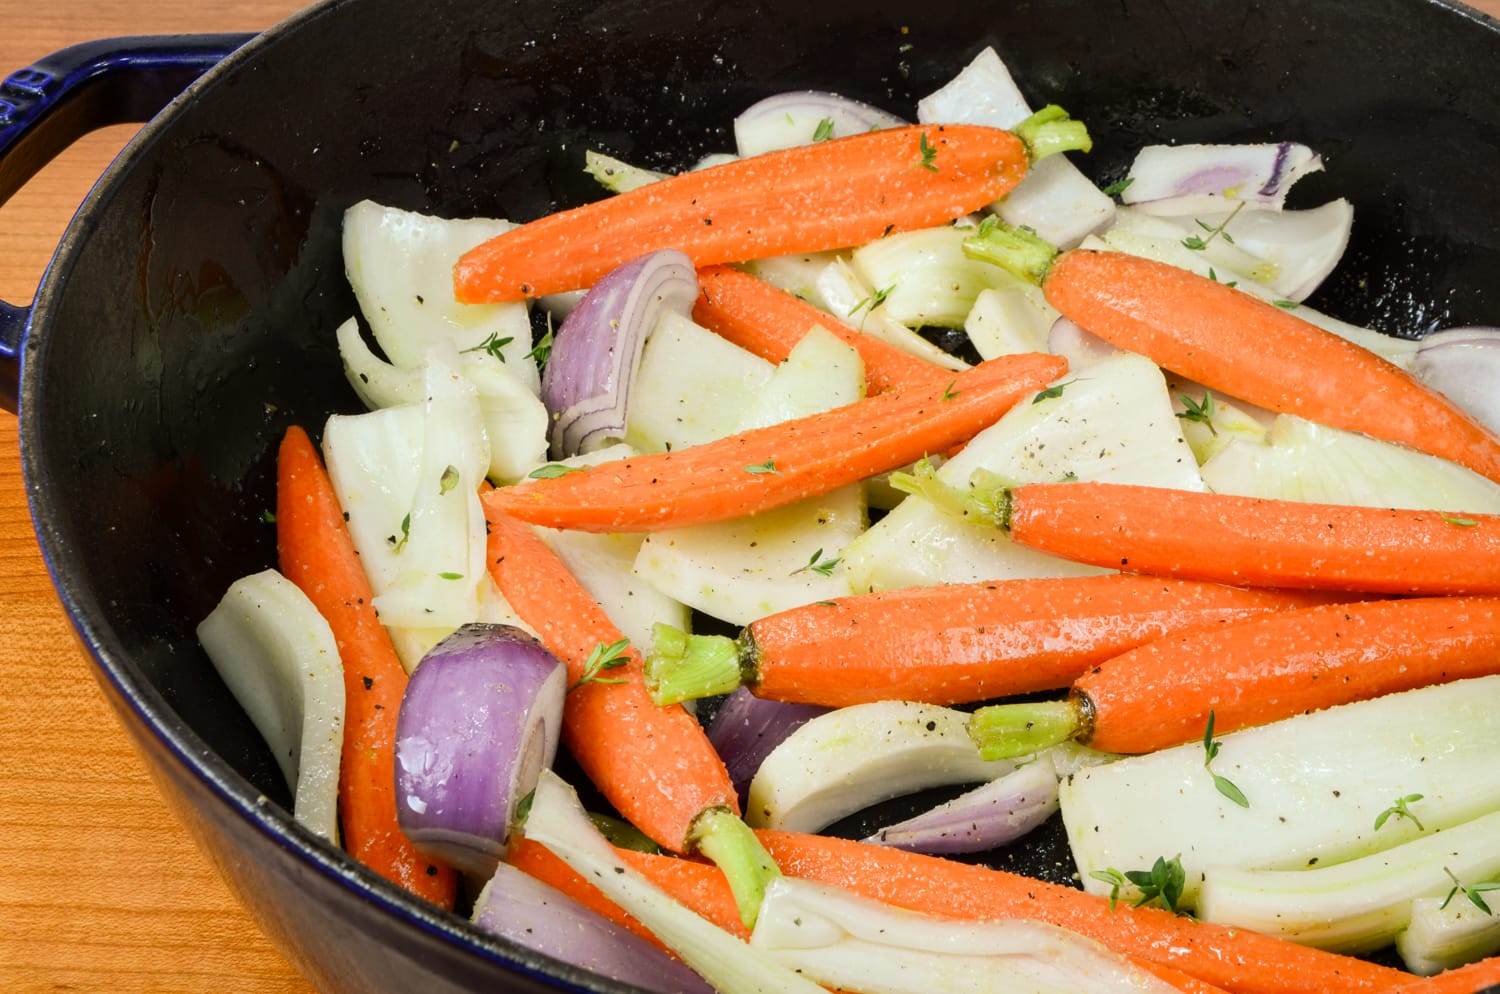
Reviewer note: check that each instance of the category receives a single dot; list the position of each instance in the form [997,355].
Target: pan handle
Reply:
[47,106]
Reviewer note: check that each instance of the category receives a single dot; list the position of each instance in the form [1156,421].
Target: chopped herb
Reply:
[769,466]
[1286,305]
[1472,893]
[492,345]
[552,471]
[1115,879]
[451,576]
[603,657]
[929,154]
[1215,277]
[1223,785]
[986,225]
[1052,392]
[1400,810]
[542,350]
[1201,412]
[269,517]
[824,130]
[1118,187]
[828,603]
[1163,882]
[405,532]
[1447,519]
[873,301]
[819,565]
[448,480]
[1198,243]
[948,392]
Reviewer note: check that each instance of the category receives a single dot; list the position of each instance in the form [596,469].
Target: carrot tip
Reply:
[721,836]
[685,667]
[1004,731]
[1019,251]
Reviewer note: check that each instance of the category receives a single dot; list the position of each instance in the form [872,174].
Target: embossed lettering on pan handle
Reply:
[47,106]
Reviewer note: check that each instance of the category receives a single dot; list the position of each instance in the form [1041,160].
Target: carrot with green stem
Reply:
[654,764]
[769,322]
[770,467]
[1236,343]
[1252,672]
[826,195]
[1221,538]
[946,644]
[317,555]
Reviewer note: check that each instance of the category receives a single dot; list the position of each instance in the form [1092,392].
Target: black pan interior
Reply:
[196,322]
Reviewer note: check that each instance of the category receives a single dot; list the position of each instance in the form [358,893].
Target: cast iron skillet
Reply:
[188,316]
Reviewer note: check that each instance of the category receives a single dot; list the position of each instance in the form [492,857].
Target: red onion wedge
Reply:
[1001,811]
[787,120]
[479,722]
[526,911]
[597,351]
[1463,364]
[746,728]
[1189,179]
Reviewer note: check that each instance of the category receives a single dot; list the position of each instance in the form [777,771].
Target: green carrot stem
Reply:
[1019,251]
[734,848]
[685,667]
[1004,731]
[1050,131]
[987,501]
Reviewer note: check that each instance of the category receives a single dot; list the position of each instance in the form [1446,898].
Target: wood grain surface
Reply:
[100,890]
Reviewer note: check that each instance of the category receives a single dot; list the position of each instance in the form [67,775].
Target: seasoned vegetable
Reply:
[479,721]
[278,657]
[1451,931]
[1183,179]
[803,117]
[746,729]
[1463,364]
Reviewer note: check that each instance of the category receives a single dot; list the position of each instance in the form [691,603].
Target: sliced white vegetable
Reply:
[1356,906]
[515,421]
[787,120]
[1228,420]
[618,176]
[441,565]
[691,388]
[413,644]
[1112,423]
[852,301]
[559,822]
[747,568]
[849,759]
[929,279]
[1169,249]
[280,660]
[1189,179]
[1303,460]
[1010,318]
[1055,200]
[1294,251]
[1316,785]
[796,274]
[714,159]
[848,942]
[1463,364]
[1441,937]
[605,565]
[401,267]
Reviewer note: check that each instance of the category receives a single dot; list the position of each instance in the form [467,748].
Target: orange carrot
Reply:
[317,555]
[769,467]
[1237,960]
[823,196]
[1476,978]
[1231,341]
[654,764]
[1255,671]
[1197,958]
[769,322]
[1259,543]
[948,644]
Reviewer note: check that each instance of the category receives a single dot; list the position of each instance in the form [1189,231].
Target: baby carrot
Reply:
[1256,671]
[1476,978]
[1238,540]
[317,555]
[770,467]
[769,322]
[823,196]
[1237,343]
[654,764]
[947,644]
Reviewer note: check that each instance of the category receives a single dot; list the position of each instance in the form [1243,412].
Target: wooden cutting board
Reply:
[100,890]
